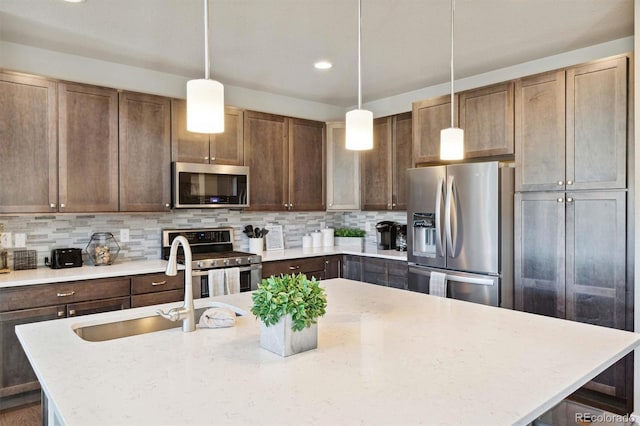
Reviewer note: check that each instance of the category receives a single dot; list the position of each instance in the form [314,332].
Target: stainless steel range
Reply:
[212,248]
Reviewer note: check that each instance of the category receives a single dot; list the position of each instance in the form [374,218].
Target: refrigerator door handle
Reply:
[470,280]
[439,235]
[447,211]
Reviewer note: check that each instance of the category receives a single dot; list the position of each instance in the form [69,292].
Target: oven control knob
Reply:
[226,261]
[239,261]
[199,264]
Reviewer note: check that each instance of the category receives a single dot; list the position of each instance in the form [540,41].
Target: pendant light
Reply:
[205,97]
[452,139]
[359,122]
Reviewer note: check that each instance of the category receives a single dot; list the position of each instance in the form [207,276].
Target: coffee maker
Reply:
[386,235]
[401,237]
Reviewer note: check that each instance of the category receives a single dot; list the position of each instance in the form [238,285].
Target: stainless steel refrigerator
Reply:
[461,225]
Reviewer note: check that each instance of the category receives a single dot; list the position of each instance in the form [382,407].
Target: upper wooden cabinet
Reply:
[221,148]
[267,155]
[28,144]
[286,157]
[307,165]
[571,128]
[145,152]
[384,168]
[486,115]
[88,148]
[343,171]
[429,118]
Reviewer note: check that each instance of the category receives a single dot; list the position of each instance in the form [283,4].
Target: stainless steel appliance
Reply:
[401,237]
[212,248]
[209,185]
[386,235]
[460,220]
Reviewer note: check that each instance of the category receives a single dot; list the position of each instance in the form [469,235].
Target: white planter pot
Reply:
[282,340]
[355,243]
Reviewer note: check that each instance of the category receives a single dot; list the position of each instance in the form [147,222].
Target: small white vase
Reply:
[256,245]
[282,340]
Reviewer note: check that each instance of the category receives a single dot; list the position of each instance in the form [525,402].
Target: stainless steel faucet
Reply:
[185,313]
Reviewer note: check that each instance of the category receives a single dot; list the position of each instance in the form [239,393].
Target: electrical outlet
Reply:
[5,240]
[21,240]
[124,235]
[368,225]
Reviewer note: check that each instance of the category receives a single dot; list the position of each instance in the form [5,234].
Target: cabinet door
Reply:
[402,159]
[597,125]
[145,152]
[307,164]
[186,146]
[157,298]
[18,383]
[374,271]
[596,270]
[486,115]
[28,148]
[539,132]
[266,149]
[98,306]
[228,147]
[332,266]
[343,171]
[398,274]
[539,255]
[375,166]
[88,144]
[429,118]
[352,267]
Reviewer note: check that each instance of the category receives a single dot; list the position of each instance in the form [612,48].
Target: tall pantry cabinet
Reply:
[573,207]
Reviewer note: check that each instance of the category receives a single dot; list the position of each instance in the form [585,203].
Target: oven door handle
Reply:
[204,272]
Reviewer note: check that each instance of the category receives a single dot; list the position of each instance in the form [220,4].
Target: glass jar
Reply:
[102,249]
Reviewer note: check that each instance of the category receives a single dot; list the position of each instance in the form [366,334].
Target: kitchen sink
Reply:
[136,326]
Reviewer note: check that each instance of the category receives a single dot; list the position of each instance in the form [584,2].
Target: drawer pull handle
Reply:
[60,314]
[155,283]
[293,268]
[72,312]
[65,294]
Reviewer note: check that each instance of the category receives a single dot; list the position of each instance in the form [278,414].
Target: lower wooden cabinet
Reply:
[310,266]
[153,289]
[333,266]
[386,272]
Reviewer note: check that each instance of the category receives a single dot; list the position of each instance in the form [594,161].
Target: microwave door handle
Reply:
[447,212]
[439,235]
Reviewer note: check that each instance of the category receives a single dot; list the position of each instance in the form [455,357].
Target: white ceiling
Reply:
[270,45]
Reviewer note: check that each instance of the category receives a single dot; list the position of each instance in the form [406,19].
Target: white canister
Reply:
[256,245]
[327,237]
[316,239]
[307,242]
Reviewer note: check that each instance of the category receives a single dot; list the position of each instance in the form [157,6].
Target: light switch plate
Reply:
[124,235]
[20,240]
[5,240]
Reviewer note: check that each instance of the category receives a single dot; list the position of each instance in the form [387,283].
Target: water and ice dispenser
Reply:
[424,234]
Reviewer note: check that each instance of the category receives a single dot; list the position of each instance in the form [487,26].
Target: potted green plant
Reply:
[349,238]
[288,307]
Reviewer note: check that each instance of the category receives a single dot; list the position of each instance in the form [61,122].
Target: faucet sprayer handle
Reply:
[171,314]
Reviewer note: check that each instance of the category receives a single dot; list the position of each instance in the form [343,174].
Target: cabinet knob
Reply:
[560,182]
[72,312]
[286,205]
[569,200]
[206,158]
[330,204]
[213,158]
[62,205]
[60,314]
[52,205]
[560,200]
[393,204]
[167,205]
[290,206]
[569,182]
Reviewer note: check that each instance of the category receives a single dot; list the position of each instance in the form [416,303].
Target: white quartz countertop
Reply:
[384,356]
[45,275]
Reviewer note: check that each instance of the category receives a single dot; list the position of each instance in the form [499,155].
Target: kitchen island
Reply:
[385,356]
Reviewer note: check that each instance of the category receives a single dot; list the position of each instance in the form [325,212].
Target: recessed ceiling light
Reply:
[323,65]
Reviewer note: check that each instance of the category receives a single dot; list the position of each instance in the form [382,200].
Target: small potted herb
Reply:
[288,307]
[350,238]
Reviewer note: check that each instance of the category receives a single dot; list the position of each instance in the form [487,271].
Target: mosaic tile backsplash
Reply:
[45,232]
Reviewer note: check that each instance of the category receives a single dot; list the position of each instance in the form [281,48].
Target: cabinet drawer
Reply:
[293,266]
[63,293]
[151,283]
[157,298]
[98,306]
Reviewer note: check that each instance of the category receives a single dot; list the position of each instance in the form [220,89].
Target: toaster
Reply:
[66,258]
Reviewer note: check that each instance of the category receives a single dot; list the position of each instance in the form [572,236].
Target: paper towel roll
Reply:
[316,239]
[327,237]
[306,241]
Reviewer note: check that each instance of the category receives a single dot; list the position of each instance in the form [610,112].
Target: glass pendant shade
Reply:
[452,144]
[205,106]
[359,130]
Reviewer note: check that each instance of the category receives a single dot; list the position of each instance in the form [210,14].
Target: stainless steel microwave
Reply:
[197,185]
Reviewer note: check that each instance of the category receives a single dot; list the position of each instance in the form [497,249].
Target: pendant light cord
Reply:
[359,55]
[206,39]
[453,7]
